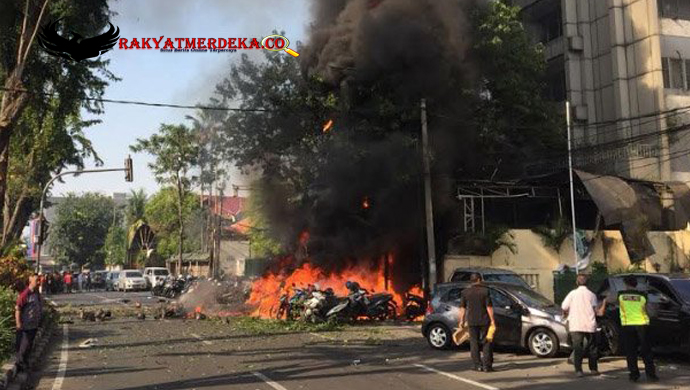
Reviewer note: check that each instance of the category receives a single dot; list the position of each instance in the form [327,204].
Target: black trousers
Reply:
[584,345]
[23,342]
[636,338]
[477,338]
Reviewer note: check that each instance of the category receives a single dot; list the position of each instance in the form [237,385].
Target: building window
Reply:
[665,72]
[674,9]
[551,25]
[676,73]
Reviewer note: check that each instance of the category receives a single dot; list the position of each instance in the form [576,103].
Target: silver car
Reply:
[524,318]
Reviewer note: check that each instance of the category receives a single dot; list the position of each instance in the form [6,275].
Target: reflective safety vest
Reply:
[632,308]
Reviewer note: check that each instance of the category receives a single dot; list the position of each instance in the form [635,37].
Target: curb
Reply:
[10,377]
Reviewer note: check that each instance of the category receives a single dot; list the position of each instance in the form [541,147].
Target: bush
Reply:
[14,272]
[8,298]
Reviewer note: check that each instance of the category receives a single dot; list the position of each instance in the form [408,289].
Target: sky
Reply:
[175,78]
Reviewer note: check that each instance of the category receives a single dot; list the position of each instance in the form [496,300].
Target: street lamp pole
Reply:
[128,168]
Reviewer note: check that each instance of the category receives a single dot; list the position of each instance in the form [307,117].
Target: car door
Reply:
[664,313]
[508,319]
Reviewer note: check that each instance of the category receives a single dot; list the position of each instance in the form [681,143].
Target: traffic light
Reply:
[43,231]
[129,173]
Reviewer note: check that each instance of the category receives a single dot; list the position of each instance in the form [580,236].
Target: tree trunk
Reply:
[180,221]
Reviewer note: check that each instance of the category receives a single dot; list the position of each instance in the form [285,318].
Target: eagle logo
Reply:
[77,48]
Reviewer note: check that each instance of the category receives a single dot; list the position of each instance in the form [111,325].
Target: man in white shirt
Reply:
[580,307]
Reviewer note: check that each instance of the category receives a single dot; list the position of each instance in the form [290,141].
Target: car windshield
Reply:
[531,298]
[133,274]
[683,288]
[506,278]
[160,272]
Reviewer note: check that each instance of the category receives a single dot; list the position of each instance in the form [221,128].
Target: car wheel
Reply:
[543,343]
[439,336]
[609,344]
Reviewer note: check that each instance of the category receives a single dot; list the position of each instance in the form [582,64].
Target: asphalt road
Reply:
[127,354]
[101,297]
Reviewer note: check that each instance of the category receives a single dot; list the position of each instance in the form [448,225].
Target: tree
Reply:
[31,78]
[46,142]
[115,248]
[516,124]
[136,207]
[176,149]
[78,233]
[163,218]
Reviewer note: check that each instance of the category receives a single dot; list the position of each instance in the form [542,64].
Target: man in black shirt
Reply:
[477,311]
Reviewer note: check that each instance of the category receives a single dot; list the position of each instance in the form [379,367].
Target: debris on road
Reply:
[88,343]
[87,315]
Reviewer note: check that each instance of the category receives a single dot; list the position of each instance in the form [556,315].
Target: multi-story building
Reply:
[624,66]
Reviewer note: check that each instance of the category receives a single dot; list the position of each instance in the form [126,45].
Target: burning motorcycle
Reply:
[414,306]
[318,304]
[360,304]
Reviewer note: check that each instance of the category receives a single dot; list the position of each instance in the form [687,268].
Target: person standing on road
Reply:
[634,330]
[27,315]
[476,309]
[581,308]
[68,282]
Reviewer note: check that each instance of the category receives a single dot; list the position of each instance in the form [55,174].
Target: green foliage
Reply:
[136,207]
[78,233]
[14,271]
[115,248]
[48,133]
[554,235]
[515,123]
[161,214]
[469,243]
[8,298]
[599,268]
[258,327]
[176,150]
[262,243]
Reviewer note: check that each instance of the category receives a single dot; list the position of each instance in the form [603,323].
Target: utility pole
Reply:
[430,240]
[572,187]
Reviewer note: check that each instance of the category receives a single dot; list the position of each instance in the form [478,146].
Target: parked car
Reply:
[131,280]
[524,318]
[489,275]
[112,280]
[668,305]
[154,274]
[98,280]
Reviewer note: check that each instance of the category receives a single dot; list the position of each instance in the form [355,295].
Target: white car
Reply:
[154,274]
[131,280]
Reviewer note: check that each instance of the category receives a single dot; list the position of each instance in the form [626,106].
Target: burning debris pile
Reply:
[312,294]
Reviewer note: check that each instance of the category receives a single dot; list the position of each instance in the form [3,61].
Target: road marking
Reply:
[57,385]
[196,336]
[457,378]
[268,381]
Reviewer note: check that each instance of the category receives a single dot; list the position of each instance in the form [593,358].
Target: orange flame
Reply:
[365,203]
[266,292]
[328,126]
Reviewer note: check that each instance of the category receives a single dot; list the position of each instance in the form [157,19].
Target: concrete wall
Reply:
[232,257]
[536,263]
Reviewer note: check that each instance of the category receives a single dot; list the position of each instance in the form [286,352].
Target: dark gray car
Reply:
[488,275]
[524,318]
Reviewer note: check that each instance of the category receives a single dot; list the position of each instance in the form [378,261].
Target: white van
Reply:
[154,274]
[131,280]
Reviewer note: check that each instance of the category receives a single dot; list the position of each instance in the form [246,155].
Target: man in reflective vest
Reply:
[635,329]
